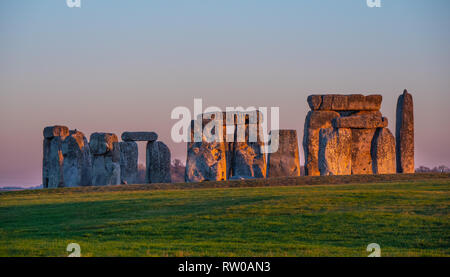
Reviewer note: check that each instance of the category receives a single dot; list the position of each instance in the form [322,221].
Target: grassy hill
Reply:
[407,215]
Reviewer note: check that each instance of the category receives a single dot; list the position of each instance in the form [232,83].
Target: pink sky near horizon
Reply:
[118,67]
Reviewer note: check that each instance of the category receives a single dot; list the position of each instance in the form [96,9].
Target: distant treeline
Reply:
[438,169]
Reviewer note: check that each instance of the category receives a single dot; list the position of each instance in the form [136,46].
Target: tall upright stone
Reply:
[315,120]
[158,163]
[77,166]
[361,145]
[383,152]
[247,157]
[405,133]
[206,158]
[53,159]
[335,154]
[285,161]
[105,159]
[128,162]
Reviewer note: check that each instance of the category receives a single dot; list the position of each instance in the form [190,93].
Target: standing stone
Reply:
[53,160]
[206,159]
[405,133]
[284,161]
[103,143]
[128,162]
[158,163]
[105,159]
[248,159]
[54,176]
[229,124]
[77,160]
[335,155]
[383,152]
[315,120]
[361,151]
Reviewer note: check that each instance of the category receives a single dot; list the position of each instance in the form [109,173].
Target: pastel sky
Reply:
[117,66]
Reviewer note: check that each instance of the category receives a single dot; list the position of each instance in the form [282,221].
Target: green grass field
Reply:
[406,217]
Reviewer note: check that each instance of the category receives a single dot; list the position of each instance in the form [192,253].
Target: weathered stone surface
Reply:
[139,136]
[229,123]
[128,162]
[315,101]
[337,102]
[248,159]
[53,161]
[361,121]
[361,151]
[335,156]
[405,133]
[238,154]
[158,162]
[105,171]
[66,158]
[383,152]
[102,143]
[105,159]
[320,119]
[285,161]
[352,113]
[56,131]
[45,160]
[315,120]
[77,166]
[205,160]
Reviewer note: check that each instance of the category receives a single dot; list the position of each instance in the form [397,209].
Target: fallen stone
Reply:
[285,161]
[158,162]
[335,156]
[315,120]
[128,162]
[405,133]
[361,151]
[139,136]
[383,152]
